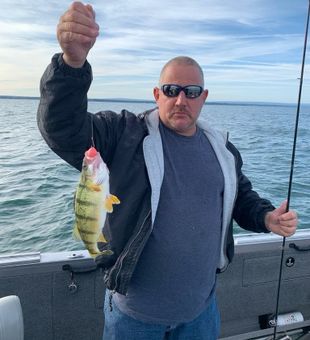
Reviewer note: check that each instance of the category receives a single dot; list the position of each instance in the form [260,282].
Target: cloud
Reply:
[243,42]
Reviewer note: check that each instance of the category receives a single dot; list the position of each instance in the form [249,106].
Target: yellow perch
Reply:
[92,202]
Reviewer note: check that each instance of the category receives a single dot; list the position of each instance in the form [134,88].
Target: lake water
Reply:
[37,187]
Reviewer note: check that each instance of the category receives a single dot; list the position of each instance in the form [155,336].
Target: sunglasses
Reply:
[191,91]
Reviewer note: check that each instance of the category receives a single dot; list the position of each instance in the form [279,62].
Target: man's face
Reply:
[180,113]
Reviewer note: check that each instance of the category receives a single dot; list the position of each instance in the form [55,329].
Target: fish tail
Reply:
[94,253]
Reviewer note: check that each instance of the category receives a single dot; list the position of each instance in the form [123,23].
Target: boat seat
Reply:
[11,318]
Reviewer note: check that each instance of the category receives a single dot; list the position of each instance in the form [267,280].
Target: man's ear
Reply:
[156,93]
[205,93]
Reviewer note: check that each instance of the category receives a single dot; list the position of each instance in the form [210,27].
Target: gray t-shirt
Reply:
[175,275]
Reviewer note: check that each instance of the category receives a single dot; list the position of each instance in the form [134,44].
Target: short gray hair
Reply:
[185,61]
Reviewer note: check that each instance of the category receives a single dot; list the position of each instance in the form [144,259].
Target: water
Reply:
[37,187]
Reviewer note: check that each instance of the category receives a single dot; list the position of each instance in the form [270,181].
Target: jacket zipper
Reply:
[121,261]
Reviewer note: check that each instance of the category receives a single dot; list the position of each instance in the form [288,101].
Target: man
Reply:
[179,182]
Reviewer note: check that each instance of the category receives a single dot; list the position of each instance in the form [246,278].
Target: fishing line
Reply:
[92,129]
[292,168]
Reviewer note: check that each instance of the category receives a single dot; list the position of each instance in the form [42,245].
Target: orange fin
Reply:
[109,201]
[95,187]
[115,199]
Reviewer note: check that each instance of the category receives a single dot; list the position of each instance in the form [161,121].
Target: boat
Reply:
[62,294]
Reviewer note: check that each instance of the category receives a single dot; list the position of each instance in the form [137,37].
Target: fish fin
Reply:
[101,238]
[107,252]
[109,201]
[95,187]
[115,199]
[76,233]
[108,205]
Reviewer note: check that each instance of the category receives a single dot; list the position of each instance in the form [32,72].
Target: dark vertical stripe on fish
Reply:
[85,218]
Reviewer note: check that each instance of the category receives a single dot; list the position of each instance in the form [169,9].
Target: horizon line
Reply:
[129,100]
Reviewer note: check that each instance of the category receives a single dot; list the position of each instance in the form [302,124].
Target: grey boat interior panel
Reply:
[60,305]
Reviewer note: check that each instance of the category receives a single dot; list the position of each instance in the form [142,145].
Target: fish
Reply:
[92,202]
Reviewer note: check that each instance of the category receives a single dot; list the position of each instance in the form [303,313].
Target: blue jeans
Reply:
[119,326]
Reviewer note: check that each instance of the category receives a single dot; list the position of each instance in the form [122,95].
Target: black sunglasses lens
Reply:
[192,91]
[171,90]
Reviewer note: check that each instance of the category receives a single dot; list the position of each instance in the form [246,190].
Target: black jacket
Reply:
[131,147]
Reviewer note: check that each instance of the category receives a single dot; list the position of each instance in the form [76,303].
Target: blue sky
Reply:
[250,50]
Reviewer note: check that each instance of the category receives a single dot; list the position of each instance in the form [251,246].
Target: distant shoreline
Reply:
[127,100]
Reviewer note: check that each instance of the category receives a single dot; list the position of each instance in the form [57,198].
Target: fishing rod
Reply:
[292,168]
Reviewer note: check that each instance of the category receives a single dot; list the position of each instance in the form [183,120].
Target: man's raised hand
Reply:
[77,32]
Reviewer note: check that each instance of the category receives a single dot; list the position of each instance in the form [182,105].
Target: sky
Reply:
[250,50]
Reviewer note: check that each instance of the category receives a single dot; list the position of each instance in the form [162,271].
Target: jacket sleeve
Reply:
[62,116]
[250,209]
